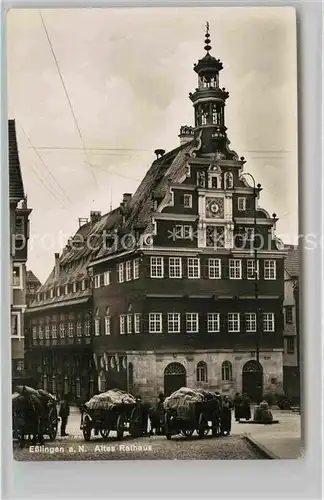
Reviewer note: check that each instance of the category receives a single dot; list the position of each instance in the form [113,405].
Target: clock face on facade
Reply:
[215,208]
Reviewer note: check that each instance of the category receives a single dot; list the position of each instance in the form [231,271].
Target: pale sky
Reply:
[128,73]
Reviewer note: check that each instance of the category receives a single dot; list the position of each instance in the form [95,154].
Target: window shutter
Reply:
[242,322]
[244,268]
[223,322]
[225,268]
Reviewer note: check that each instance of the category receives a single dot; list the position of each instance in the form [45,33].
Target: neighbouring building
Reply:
[19,235]
[32,285]
[291,357]
[60,321]
[174,291]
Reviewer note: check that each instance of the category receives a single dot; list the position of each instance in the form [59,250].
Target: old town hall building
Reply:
[178,293]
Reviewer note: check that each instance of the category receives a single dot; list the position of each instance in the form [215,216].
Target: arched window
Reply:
[130,374]
[202,372]
[102,382]
[228,180]
[227,370]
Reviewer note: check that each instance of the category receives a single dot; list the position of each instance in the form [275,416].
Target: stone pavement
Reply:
[277,441]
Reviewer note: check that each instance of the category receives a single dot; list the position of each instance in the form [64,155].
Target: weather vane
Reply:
[207,26]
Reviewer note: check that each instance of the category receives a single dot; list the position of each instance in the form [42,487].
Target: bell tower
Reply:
[209,103]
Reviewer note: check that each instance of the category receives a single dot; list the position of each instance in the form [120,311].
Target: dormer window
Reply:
[228,180]
[83,285]
[74,287]
[187,201]
[66,289]
[51,293]
[58,291]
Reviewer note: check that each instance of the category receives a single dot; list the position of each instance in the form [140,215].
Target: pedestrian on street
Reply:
[246,407]
[238,400]
[64,414]
[226,416]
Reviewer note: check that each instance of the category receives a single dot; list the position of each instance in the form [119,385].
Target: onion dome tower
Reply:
[209,103]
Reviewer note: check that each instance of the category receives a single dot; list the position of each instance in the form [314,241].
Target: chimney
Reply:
[57,266]
[82,221]
[186,134]
[94,216]
[127,198]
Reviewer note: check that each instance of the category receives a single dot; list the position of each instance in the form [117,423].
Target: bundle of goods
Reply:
[47,397]
[110,400]
[184,401]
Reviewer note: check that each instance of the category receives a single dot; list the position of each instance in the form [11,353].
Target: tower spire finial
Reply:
[207,38]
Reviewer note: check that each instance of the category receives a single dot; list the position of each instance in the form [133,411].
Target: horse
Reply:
[28,418]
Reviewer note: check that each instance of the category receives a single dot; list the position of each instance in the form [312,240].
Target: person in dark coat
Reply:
[64,414]
[246,407]
[238,399]
[226,418]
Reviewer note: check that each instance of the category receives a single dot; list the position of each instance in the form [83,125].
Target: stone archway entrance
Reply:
[252,380]
[175,376]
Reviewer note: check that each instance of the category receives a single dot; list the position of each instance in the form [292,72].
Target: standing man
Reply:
[64,414]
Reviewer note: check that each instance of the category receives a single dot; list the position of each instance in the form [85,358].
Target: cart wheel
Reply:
[187,432]
[52,430]
[104,433]
[203,427]
[167,426]
[87,429]
[120,427]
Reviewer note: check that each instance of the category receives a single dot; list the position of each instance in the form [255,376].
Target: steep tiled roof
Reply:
[292,261]
[75,258]
[16,187]
[31,279]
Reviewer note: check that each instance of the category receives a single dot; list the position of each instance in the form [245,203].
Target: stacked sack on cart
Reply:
[184,401]
[110,399]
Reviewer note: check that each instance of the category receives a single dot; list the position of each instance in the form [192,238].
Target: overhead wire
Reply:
[67,96]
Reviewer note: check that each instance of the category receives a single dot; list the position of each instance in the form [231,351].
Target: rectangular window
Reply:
[289,314]
[174,322]
[66,289]
[214,269]
[41,332]
[74,287]
[79,329]
[58,291]
[290,345]
[157,268]
[17,276]
[235,269]
[192,322]
[20,225]
[175,267]
[250,322]
[129,273]
[51,293]
[241,204]
[122,324]
[54,331]
[34,332]
[269,269]
[187,232]
[193,267]
[62,330]
[71,329]
[47,332]
[87,328]
[83,285]
[137,323]
[268,322]
[233,322]
[106,278]
[107,325]
[136,269]
[187,201]
[97,326]
[16,324]
[213,322]
[155,323]
[97,281]
[121,272]
[250,269]
[129,323]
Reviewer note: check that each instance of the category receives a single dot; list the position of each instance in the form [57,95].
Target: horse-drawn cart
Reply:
[34,414]
[187,411]
[114,410]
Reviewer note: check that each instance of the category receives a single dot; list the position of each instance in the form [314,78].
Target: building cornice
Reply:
[110,257]
[67,303]
[174,217]
[250,220]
